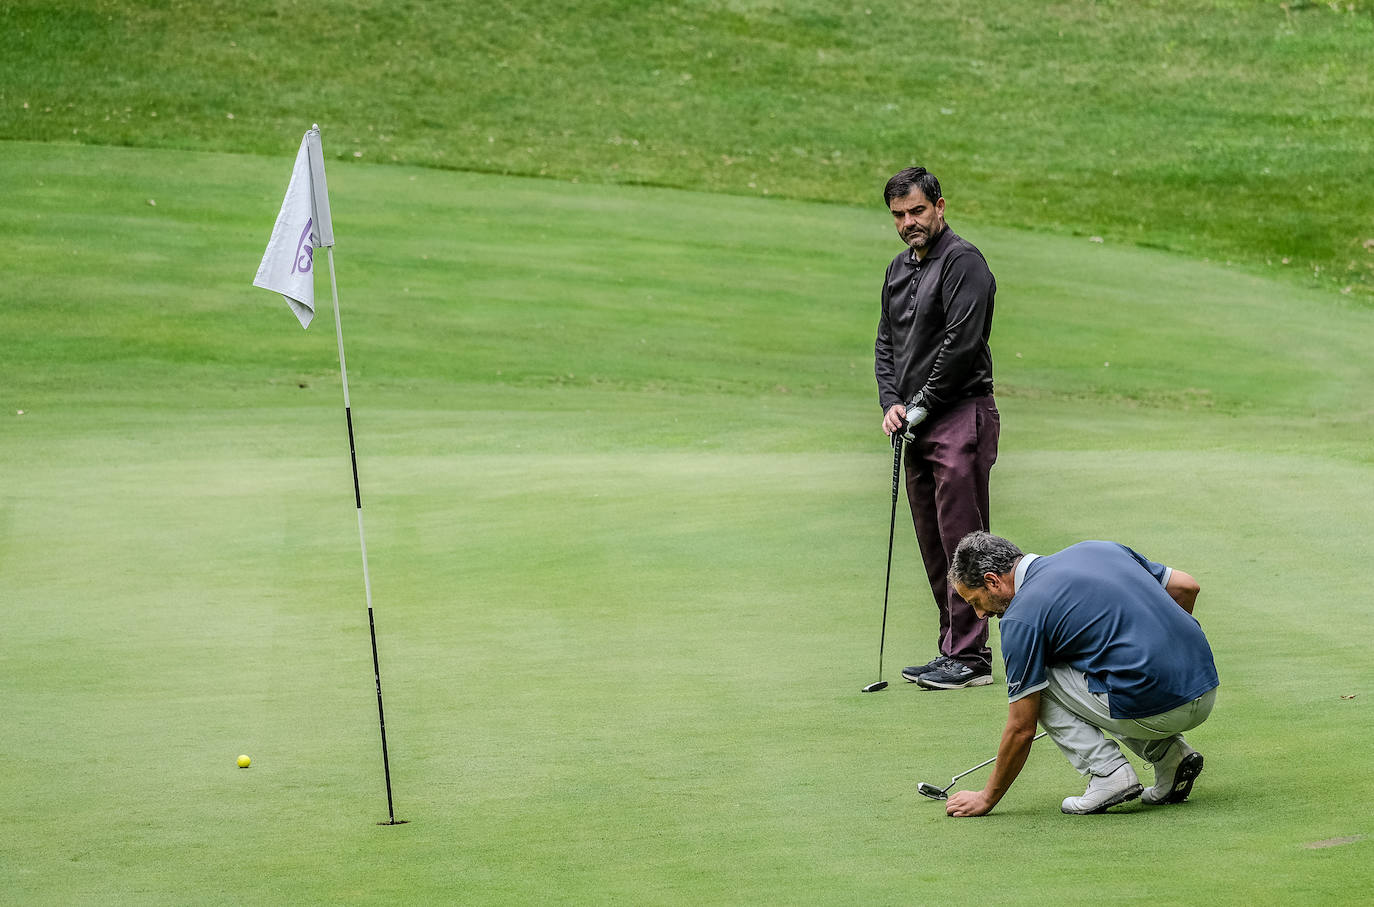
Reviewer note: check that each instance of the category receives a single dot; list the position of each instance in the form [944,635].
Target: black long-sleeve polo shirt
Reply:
[935,323]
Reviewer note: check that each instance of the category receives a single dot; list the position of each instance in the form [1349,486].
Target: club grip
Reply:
[896,463]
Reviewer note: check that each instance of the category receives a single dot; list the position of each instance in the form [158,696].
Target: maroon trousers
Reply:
[947,469]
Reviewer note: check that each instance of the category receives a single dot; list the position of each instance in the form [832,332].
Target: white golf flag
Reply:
[302,227]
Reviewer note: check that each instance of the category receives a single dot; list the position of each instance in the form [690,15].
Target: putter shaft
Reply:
[926,789]
[880,684]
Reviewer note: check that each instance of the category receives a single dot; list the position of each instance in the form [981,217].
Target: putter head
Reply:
[926,789]
[875,687]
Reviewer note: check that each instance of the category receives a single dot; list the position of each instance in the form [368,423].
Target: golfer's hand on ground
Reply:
[895,418]
[968,803]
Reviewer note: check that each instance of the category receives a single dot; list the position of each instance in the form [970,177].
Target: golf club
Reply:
[881,684]
[925,789]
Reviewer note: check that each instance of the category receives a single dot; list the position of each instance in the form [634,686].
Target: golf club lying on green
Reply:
[925,789]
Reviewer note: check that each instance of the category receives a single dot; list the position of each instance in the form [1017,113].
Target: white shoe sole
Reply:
[1117,799]
[981,680]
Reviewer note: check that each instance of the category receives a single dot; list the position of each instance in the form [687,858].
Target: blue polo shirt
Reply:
[1102,608]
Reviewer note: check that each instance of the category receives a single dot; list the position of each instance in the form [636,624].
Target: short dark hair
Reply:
[912,178]
[980,553]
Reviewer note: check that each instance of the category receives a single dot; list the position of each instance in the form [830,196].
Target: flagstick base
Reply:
[395,822]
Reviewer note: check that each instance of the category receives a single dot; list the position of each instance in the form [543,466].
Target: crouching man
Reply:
[1095,638]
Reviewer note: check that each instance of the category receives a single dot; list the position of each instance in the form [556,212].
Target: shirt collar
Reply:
[1020,575]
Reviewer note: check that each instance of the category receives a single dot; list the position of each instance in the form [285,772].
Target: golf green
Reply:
[626,508]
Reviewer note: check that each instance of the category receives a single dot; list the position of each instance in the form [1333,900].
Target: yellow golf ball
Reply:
[244,762]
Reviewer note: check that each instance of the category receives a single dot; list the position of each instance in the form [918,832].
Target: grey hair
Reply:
[980,553]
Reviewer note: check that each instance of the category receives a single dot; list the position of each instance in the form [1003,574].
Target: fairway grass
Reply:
[626,508]
[1230,129]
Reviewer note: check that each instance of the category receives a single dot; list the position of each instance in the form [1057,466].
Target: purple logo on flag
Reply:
[304,258]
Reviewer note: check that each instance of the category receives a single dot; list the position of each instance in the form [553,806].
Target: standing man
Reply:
[1095,638]
[932,356]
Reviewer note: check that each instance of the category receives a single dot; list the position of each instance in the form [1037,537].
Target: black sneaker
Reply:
[953,675]
[914,673]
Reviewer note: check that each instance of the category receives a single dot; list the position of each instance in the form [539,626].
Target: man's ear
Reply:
[994,581]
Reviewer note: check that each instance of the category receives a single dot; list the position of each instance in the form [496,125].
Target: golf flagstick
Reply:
[288,268]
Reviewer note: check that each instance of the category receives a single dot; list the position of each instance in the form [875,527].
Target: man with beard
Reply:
[1095,638]
[932,357]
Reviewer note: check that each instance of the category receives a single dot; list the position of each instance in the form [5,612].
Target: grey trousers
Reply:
[1075,717]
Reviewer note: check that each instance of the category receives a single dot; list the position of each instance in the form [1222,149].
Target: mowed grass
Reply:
[626,507]
[1226,129]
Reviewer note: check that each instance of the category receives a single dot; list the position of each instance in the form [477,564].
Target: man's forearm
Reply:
[884,367]
[1017,738]
[1011,757]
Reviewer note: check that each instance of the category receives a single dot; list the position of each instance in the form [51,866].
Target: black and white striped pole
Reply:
[362,540]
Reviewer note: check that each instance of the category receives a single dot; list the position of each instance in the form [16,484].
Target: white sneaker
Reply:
[1104,792]
[1174,776]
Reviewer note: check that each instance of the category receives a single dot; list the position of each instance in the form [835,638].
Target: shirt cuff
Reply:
[1022,694]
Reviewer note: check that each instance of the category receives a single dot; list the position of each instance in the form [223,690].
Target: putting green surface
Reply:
[626,504]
